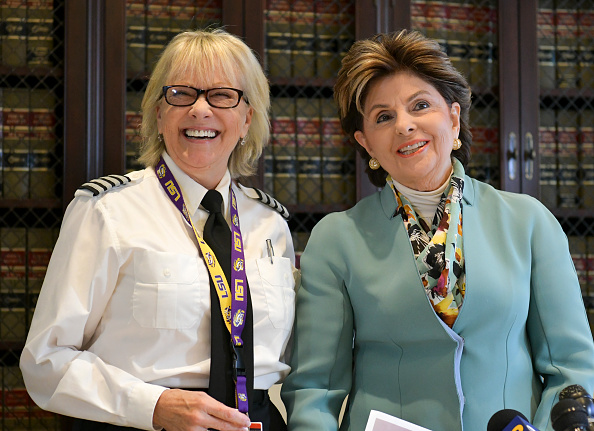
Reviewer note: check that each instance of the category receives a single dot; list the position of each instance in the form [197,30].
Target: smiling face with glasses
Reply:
[202,124]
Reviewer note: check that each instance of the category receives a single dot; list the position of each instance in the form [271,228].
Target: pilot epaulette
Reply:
[266,199]
[101,185]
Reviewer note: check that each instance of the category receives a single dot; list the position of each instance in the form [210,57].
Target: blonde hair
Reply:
[210,53]
[387,54]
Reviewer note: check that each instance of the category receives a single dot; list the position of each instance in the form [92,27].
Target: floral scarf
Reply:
[438,249]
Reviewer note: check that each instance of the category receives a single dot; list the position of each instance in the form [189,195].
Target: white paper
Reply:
[379,421]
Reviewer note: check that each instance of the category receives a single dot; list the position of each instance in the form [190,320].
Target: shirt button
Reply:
[166,272]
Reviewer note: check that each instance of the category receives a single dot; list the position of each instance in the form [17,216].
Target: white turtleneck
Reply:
[424,203]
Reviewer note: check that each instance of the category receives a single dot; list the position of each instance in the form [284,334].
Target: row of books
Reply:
[309,160]
[24,256]
[29,165]
[307,39]
[567,158]
[151,24]
[27,33]
[133,138]
[18,411]
[468,33]
[484,162]
[565,46]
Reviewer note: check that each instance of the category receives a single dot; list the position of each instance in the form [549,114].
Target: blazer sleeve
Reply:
[321,365]
[558,329]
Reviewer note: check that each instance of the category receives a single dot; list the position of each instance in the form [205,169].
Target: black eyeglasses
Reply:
[184,95]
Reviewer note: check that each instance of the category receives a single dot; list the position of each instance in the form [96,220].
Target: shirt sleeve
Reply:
[60,375]
[321,364]
[558,329]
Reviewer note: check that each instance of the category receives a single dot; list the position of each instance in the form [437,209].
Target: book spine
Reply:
[136,35]
[548,158]
[278,43]
[484,164]
[566,30]
[13,284]
[302,39]
[587,158]
[39,30]
[133,137]
[281,169]
[482,46]
[586,47]
[567,134]
[157,23]
[458,31]
[13,33]
[309,163]
[15,150]
[40,243]
[334,152]
[42,141]
[333,35]
[546,44]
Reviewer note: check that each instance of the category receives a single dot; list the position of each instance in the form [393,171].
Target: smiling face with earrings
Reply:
[200,138]
[410,129]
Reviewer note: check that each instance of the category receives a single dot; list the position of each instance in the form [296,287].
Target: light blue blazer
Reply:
[365,327]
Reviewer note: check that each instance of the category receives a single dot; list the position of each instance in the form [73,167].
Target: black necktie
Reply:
[218,236]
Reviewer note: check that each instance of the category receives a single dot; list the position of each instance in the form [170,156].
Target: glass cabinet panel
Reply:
[467,30]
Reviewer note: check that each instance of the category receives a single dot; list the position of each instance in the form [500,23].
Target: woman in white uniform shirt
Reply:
[122,330]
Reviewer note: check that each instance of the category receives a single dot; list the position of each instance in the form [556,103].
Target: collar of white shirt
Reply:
[193,192]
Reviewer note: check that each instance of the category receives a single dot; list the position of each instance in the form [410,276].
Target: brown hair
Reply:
[386,54]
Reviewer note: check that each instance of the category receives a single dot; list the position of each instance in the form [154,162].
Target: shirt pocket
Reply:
[279,290]
[166,292]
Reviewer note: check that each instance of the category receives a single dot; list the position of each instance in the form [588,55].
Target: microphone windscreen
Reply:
[573,391]
[568,414]
[579,394]
[502,418]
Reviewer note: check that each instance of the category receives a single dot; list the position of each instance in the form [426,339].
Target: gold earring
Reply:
[374,164]
[457,144]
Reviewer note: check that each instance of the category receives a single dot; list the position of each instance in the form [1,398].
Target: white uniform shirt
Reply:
[124,311]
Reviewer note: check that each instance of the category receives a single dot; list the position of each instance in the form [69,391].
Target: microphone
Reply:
[509,420]
[569,415]
[579,394]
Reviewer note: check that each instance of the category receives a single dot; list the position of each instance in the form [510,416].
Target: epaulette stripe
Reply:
[272,203]
[121,178]
[261,196]
[109,181]
[98,183]
[102,184]
[90,188]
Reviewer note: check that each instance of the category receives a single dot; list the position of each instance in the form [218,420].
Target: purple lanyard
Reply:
[238,278]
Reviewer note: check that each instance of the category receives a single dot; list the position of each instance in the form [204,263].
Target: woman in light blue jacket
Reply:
[439,299]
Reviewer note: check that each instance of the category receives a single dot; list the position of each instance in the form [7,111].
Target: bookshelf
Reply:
[530,64]
[31,164]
